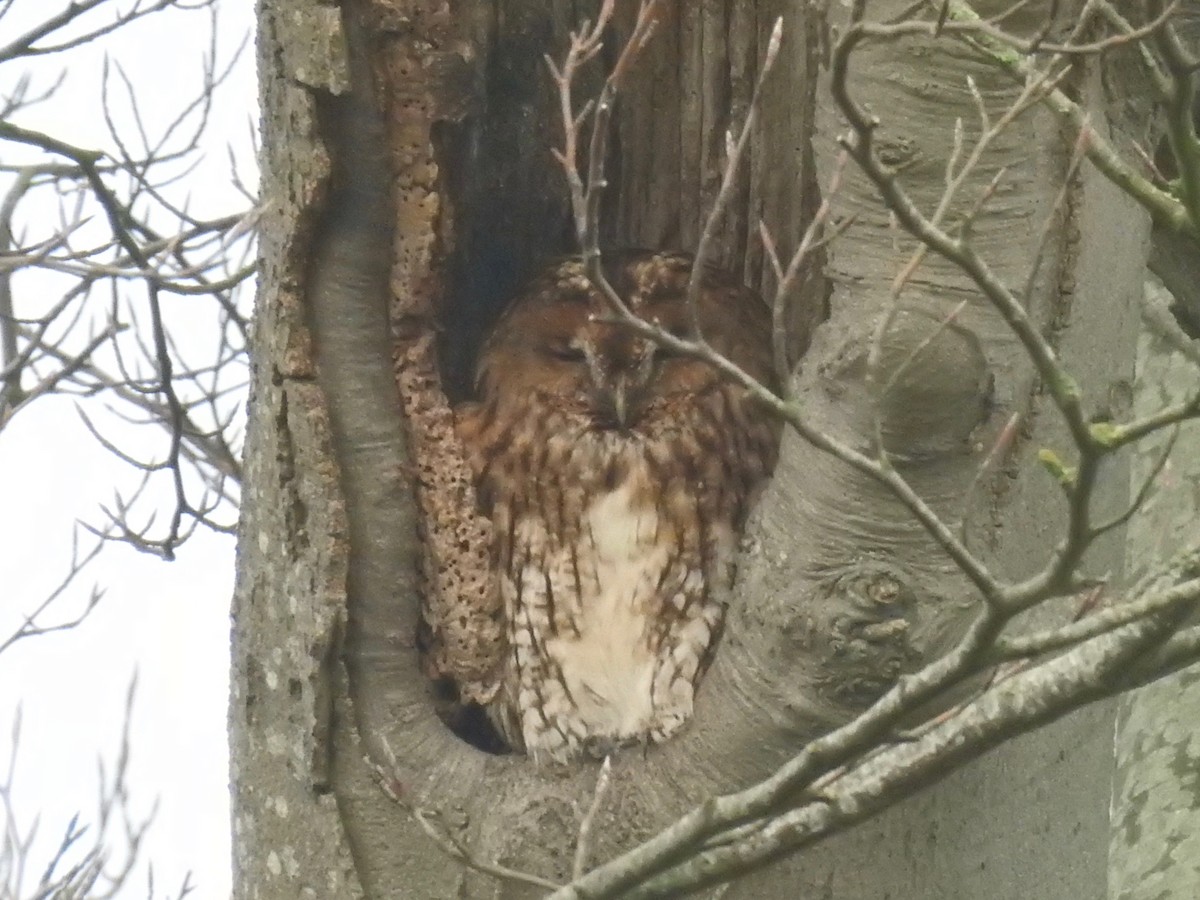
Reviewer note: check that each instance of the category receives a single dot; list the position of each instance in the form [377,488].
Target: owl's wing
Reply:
[469,423]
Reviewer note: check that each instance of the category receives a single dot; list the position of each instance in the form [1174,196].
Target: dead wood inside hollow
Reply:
[479,203]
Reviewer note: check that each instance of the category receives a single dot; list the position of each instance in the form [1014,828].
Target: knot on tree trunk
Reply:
[925,382]
[863,614]
[846,590]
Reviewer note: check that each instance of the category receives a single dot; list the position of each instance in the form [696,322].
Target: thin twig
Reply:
[583,841]
[431,824]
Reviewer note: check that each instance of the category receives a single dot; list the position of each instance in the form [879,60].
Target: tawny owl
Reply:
[617,477]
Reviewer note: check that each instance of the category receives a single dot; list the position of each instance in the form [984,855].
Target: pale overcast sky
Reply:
[168,622]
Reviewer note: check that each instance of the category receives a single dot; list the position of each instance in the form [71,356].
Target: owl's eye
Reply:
[566,352]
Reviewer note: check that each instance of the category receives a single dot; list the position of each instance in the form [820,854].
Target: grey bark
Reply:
[1155,843]
[1154,849]
[326,670]
[1030,819]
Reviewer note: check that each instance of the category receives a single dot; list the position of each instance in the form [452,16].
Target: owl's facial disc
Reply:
[621,375]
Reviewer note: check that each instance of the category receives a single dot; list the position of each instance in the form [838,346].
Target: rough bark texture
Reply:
[435,209]
[1029,820]
[1155,845]
[292,553]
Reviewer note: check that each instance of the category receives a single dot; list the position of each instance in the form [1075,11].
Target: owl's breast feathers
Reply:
[614,559]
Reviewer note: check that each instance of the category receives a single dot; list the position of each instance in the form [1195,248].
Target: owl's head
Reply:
[555,341]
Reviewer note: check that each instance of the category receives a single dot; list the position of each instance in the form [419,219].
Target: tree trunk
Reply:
[1155,843]
[1154,847]
[408,180]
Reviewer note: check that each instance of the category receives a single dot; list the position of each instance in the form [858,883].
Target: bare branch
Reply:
[582,843]
[29,43]
[431,823]
[34,624]
[91,860]
[735,150]
[1166,210]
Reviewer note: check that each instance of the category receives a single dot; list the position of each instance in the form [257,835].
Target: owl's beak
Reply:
[620,405]
[624,403]
[619,384]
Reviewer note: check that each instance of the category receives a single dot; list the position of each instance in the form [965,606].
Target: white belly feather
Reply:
[609,666]
[612,626]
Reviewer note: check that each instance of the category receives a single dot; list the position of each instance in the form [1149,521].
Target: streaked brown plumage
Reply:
[617,478]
